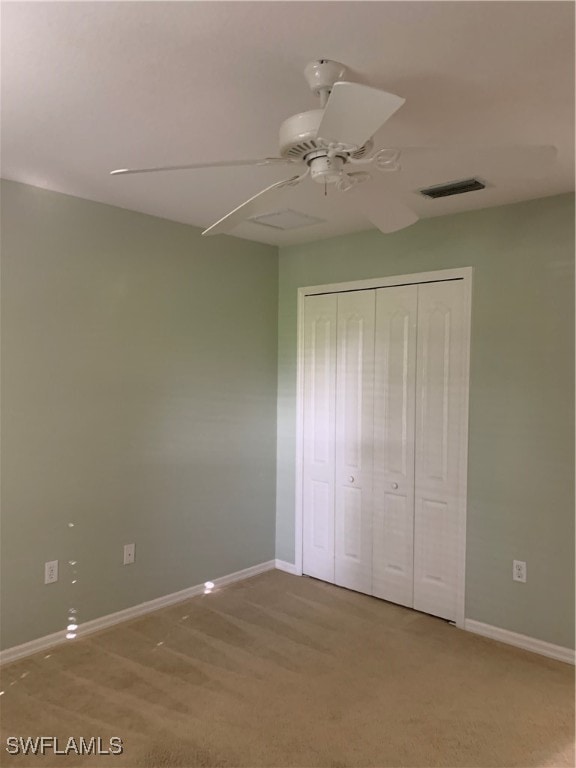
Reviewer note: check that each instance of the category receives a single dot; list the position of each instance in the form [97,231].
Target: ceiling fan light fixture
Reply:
[326,169]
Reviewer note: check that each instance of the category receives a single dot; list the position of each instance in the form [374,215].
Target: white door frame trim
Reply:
[462,273]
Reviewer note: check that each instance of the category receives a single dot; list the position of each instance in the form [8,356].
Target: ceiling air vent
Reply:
[286,219]
[453,188]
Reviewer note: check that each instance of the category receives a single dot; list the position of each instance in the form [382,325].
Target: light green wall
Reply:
[521,450]
[139,403]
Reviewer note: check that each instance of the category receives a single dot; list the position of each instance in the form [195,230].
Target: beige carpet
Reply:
[287,671]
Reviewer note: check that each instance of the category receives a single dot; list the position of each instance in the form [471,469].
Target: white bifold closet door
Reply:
[354,440]
[394,423]
[383,404]
[318,471]
[440,397]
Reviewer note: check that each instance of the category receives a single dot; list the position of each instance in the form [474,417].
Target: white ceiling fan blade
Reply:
[355,112]
[386,213]
[219,164]
[262,202]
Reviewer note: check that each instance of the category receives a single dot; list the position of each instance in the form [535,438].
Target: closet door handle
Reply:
[350,479]
[395,485]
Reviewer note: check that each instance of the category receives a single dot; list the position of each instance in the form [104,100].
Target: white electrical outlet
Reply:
[519,570]
[51,572]
[129,553]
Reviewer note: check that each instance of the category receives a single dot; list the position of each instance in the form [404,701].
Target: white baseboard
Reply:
[49,641]
[282,565]
[521,641]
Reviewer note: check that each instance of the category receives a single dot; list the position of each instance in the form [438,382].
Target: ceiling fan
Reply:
[332,145]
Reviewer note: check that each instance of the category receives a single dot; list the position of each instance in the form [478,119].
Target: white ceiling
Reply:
[92,86]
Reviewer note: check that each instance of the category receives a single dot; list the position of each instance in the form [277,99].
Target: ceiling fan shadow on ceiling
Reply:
[333,145]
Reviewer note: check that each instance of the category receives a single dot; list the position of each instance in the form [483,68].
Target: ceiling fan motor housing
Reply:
[298,134]
[299,138]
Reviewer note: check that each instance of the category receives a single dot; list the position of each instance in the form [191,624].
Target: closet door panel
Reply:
[354,436]
[394,423]
[319,434]
[439,400]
